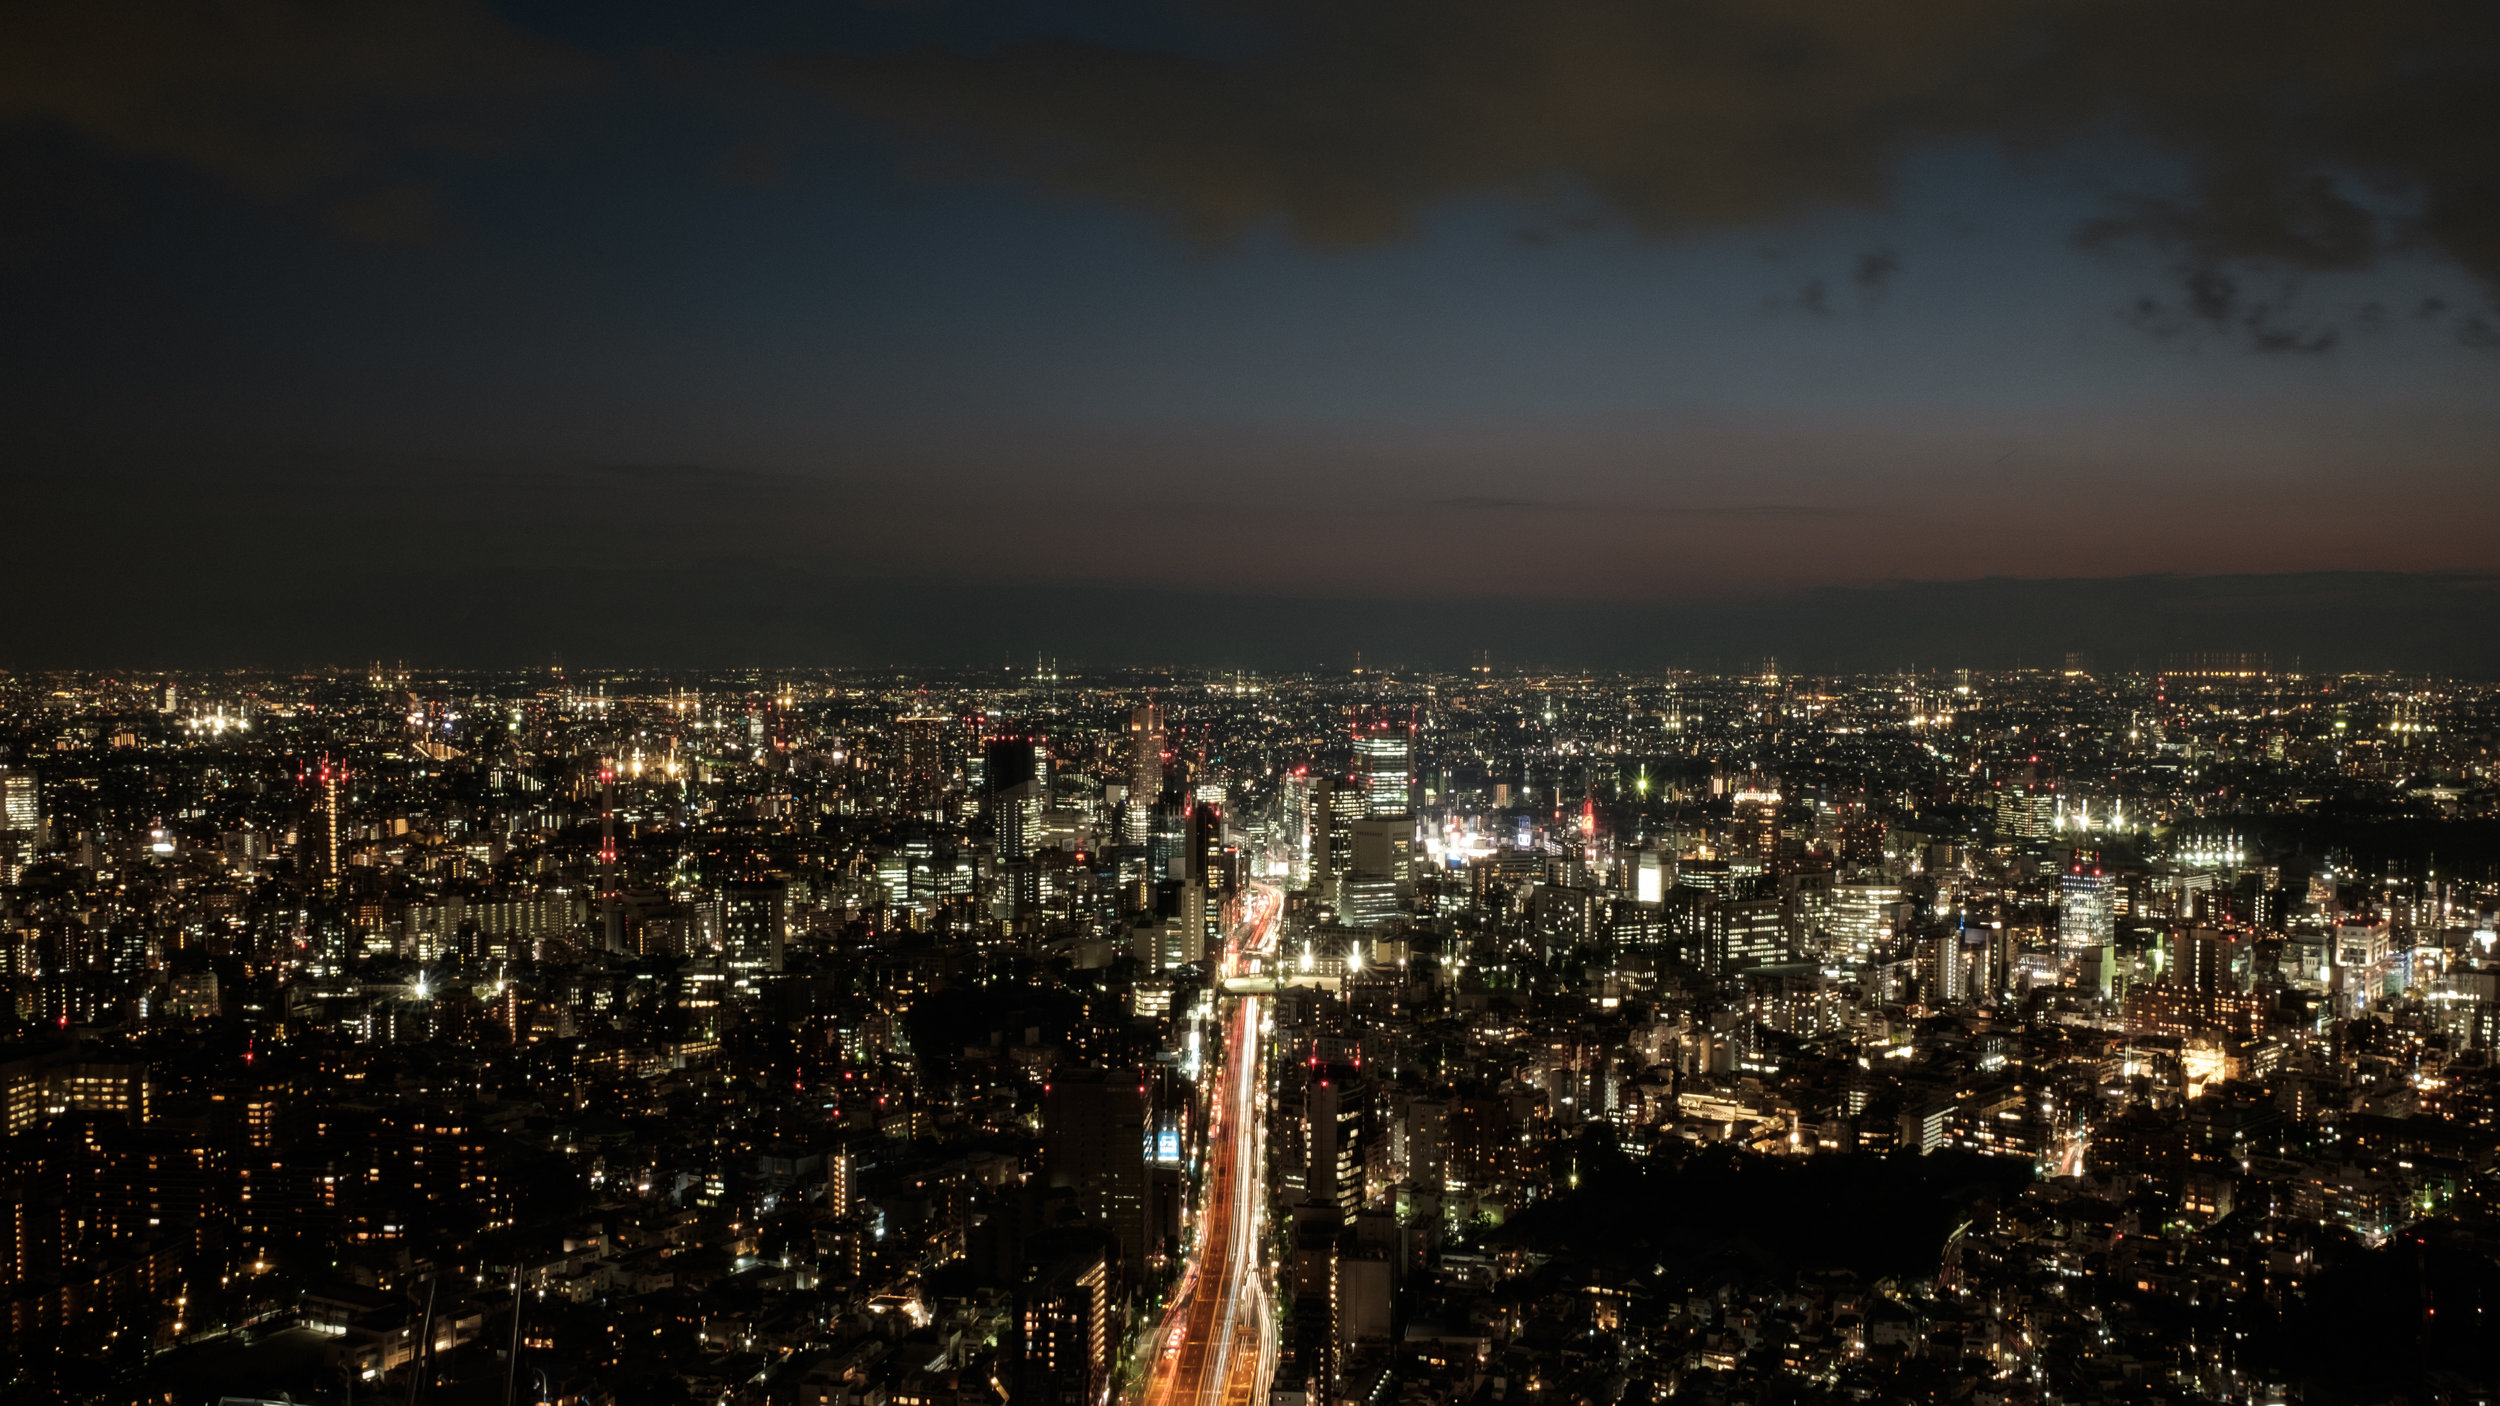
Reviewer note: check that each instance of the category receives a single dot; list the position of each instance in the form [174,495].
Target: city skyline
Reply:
[602,1038]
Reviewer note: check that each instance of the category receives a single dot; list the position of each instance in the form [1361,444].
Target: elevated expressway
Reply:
[1217,1346]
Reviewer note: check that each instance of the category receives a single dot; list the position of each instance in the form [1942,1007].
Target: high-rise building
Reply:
[1308,1362]
[1863,917]
[611,892]
[1015,769]
[1319,848]
[329,781]
[755,924]
[1754,830]
[1183,938]
[1746,932]
[1384,846]
[2026,802]
[838,1183]
[21,801]
[1210,863]
[1293,842]
[1427,1142]
[920,770]
[21,822]
[1145,768]
[1384,752]
[2206,960]
[1336,1138]
[1653,873]
[1368,902]
[2087,918]
[1094,1141]
[1336,806]
[1064,1329]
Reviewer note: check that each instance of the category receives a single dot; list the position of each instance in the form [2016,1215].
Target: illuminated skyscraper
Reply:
[1016,770]
[755,924]
[2026,803]
[1864,917]
[21,803]
[611,933]
[1336,1138]
[920,761]
[1294,808]
[1754,831]
[21,818]
[1207,859]
[1145,769]
[1384,754]
[1335,807]
[327,780]
[2086,918]
[1064,1326]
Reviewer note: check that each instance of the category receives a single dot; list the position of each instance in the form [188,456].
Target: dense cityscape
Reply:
[1377,1036]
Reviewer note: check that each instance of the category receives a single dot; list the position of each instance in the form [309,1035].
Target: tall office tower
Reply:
[1016,770]
[1319,849]
[1185,936]
[1348,803]
[1754,831]
[2206,960]
[1294,821]
[21,822]
[1094,1142]
[965,746]
[21,800]
[127,950]
[327,781]
[920,769]
[755,924]
[1948,965]
[611,895]
[1427,1142]
[1307,1363]
[1167,838]
[2087,918]
[1336,1137]
[838,1183]
[1064,1336]
[1385,753]
[1863,918]
[1653,873]
[2026,802]
[1145,768]
[1381,866]
[1207,866]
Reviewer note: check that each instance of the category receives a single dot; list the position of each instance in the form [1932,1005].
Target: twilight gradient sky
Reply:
[340,329]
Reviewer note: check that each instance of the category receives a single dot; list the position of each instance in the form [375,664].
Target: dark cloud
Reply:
[1487,503]
[1482,503]
[2212,300]
[2316,134]
[287,99]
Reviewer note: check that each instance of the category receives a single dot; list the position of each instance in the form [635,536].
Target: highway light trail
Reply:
[1217,1345]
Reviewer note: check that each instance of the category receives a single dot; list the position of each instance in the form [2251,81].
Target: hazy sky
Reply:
[1648,303]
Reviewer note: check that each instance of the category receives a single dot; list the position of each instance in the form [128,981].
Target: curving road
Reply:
[1217,1346]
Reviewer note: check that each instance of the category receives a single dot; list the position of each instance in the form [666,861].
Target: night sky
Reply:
[1934,331]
